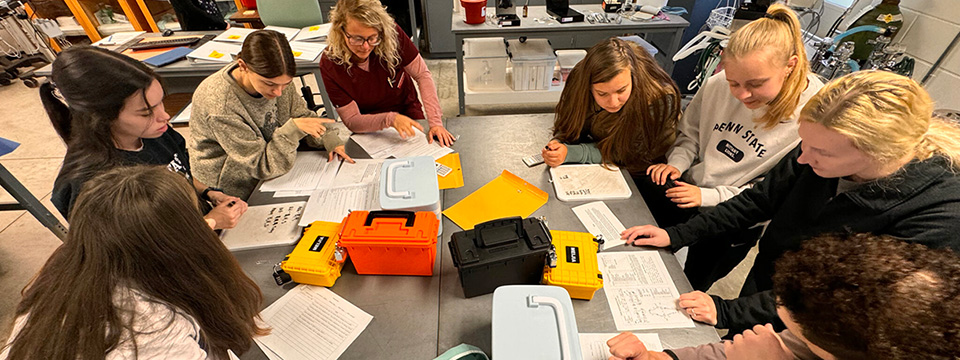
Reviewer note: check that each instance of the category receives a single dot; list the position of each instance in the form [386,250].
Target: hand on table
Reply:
[342,152]
[760,343]
[554,153]
[405,125]
[312,126]
[646,235]
[699,306]
[627,346]
[685,195]
[444,137]
[659,173]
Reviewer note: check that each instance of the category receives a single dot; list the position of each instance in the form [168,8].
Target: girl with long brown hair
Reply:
[140,275]
[247,122]
[617,108]
[108,108]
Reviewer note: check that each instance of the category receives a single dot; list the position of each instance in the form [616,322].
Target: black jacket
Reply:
[920,203]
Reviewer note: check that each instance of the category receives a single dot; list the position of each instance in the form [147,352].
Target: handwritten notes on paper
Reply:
[582,182]
[264,226]
[388,143]
[640,292]
[311,322]
[598,219]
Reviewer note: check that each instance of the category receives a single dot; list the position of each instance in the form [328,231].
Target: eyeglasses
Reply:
[355,40]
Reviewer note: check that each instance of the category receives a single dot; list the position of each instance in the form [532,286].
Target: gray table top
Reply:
[529,25]
[420,317]
[491,144]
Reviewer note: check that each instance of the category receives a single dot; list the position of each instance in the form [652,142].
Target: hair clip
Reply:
[57,94]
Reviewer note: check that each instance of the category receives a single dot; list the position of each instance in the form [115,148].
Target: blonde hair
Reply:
[368,13]
[887,116]
[779,33]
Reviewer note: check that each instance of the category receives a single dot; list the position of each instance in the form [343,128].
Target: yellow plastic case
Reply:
[312,261]
[577,269]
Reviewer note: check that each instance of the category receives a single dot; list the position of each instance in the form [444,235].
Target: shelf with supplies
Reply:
[86,14]
[506,95]
[155,15]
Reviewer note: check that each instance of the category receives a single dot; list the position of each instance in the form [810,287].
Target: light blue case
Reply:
[409,184]
[534,322]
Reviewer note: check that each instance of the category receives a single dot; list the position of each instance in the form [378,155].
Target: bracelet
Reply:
[206,192]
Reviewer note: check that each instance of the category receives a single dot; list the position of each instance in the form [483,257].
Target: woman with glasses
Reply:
[369,67]
[247,122]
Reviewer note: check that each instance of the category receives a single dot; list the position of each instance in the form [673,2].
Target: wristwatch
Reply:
[206,192]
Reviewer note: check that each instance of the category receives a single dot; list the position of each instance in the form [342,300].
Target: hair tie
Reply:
[57,94]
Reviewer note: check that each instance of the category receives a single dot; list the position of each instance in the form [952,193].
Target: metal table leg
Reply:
[459,75]
[26,201]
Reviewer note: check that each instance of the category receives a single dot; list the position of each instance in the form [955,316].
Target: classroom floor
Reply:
[25,244]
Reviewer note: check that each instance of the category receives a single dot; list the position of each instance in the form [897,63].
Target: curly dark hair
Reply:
[873,297]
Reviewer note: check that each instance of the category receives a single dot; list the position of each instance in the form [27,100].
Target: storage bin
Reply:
[568,59]
[391,242]
[533,322]
[410,184]
[500,252]
[485,63]
[313,261]
[532,63]
[577,269]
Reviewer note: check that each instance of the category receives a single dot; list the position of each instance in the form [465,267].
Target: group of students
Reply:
[142,266]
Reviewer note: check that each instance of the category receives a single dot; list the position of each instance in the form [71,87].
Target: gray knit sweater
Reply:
[238,139]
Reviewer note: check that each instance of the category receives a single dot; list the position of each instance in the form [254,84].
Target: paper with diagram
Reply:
[264,226]
[598,219]
[594,345]
[362,171]
[333,204]
[388,143]
[311,322]
[584,182]
[640,291]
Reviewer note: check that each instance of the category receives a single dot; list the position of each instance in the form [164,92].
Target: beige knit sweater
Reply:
[238,139]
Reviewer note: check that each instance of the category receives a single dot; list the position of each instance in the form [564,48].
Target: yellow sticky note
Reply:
[454,179]
[233,37]
[216,54]
[314,28]
[505,196]
[297,53]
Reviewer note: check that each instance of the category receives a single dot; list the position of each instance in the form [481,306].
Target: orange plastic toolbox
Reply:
[391,242]
[576,268]
[313,260]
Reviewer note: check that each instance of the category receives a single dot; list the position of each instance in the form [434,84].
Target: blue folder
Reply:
[169,57]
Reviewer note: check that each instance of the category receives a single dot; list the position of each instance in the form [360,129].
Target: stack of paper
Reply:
[306,51]
[388,143]
[640,292]
[215,51]
[315,33]
[234,35]
[184,115]
[119,38]
[311,322]
[290,33]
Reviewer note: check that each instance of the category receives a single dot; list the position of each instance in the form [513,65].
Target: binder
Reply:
[505,196]
[168,57]
[234,35]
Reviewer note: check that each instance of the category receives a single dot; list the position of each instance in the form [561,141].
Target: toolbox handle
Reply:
[500,231]
[535,301]
[391,179]
[393,214]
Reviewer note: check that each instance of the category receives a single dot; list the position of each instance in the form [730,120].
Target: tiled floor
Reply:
[25,244]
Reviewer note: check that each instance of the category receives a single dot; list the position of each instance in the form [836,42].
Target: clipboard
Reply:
[506,195]
[454,179]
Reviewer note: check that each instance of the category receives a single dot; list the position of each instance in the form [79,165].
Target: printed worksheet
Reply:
[265,226]
[310,170]
[599,220]
[362,172]
[388,143]
[583,182]
[334,204]
[594,345]
[640,291]
[311,322]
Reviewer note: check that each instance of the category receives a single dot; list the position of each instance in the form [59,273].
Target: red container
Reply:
[249,4]
[391,242]
[474,11]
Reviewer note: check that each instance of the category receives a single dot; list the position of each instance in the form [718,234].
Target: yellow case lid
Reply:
[576,260]
[315,251]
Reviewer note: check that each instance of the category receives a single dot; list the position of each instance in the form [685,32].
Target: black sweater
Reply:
[920,203]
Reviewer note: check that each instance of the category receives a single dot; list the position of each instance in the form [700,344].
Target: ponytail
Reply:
[780,34]
[58,112]
[942,138]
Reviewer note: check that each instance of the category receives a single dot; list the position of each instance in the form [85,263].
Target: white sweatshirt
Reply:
[720,147]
